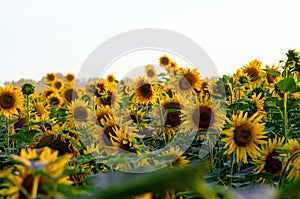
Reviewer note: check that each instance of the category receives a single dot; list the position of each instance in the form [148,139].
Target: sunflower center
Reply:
[7,101]
[145,90]
[202,117]
[70,78]
[242,136]
[187,81]
[110,79]
[150,73]
[58,85]
[164,60]
[51,77]
[70,94]
[173,117]
[54,101]
[107,99]
[80,113]
[253,73]
[273,165]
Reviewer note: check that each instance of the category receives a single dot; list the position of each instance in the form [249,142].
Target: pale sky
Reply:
[37,37]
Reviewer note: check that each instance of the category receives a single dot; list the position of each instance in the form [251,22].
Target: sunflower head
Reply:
[253,70]
[165,61]
[244,135]
[28,88]
[55,100]
[58,84]
[272,78]
[150,72]
[50,77]
[11,100]
[69,94]
[70,78]
[79,112]
[175,154]
[172,112]
[144,92]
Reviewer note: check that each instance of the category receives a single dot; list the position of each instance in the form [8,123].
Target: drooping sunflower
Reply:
[64,141]
[124,141]
[240,77]
[254,70]
[266,161]
[11,100]
[103,112]
[174,154]
[69,94]
[144,92]
[204,115]
[20,180]
[58,84]
[109,97]
[48,91]
[70,78]
[40,110]
[256,104]
[150,72]
[244,135]
[50,77]
[271,79]
[79,113]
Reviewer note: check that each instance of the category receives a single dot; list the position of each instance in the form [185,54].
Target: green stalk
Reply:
[285,116]
[231,169]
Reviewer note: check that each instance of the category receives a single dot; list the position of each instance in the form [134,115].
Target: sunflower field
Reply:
[164,135]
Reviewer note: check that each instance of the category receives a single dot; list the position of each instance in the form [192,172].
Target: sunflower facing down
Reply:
[25,183]
[11,100]
[266,161]
[244,135]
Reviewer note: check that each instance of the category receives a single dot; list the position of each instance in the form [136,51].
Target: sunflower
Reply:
[204,115]
[20,122]
[266,161]
[79,112]
[48,91]
[124,141]
[186,80]
[39,109]
[69,94]
[20,180]
[253,70]
[243,136]
[172,112]
[70,78]
[64,141]
[55,100]
[292,145]
[109,97]
[144,92]
[164,61]
[256,104]
[271,78]
[11,100]
[58,84]
[103,112]
[175,156]
[50,77]
[110,81]
[150,72]
[240,77]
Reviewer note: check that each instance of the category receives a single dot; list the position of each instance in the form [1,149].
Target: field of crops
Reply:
[168,135]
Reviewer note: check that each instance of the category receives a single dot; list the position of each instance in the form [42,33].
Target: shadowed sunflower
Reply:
[253,70]
[174,154]
[204,115]
[103,112]
[172,112]
[37,168]
[150,72]
[48,91]
[64,141]
[50,77]
[11,100]
[58,84]
[69,94]
[79,112]
[144,92]
[267,161]
[20,122]
[243,136]
[109,97]
[256,104]
[70,78]
[40,110]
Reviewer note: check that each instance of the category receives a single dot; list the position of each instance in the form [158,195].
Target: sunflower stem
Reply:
[7,133]
[231,169]
[282,176]
[285,116]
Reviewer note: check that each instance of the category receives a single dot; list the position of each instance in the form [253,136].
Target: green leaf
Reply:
[25,136]
[272,72]
[287,84]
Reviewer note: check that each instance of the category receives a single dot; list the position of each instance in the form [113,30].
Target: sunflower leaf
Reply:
[272,72]
[25,136]
[287,84]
